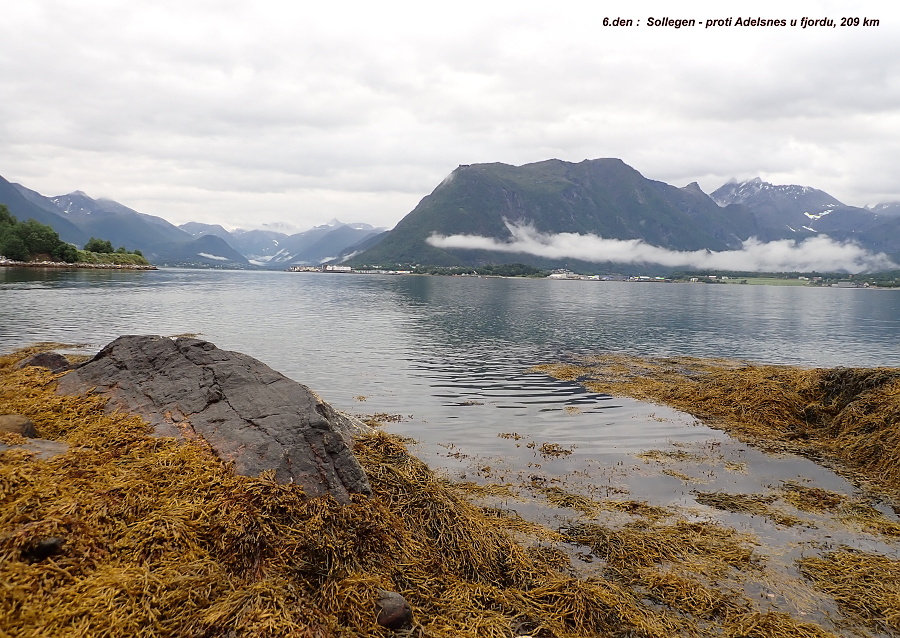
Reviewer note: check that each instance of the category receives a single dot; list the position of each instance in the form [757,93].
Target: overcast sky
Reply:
[245,113]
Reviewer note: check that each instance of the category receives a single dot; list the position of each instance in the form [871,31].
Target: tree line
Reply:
[23,241]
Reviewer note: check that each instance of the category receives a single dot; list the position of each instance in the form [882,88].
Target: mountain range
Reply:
[277,250]
[602,197]
[76,217]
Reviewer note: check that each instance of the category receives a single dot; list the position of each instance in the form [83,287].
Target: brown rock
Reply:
[393,610]
[53,361]
[17,424]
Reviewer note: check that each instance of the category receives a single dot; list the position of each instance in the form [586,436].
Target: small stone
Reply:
[44,548]
[53,361]
[393,610]
[17,424]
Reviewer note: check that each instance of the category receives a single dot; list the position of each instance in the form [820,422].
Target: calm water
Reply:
[416,344]
[451,355]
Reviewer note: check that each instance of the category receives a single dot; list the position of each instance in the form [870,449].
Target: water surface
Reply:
[451,356]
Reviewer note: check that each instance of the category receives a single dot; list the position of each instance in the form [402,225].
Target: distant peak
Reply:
[694,187]
[335,222]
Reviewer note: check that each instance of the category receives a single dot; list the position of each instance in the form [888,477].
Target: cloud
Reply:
[820,253]
[372,104]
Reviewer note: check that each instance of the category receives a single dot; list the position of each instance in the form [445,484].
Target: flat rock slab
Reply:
[41,448]
[248,413]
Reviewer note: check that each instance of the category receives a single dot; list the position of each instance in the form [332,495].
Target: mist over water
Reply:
[819,253]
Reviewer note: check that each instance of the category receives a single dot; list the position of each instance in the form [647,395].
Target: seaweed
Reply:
[127,534]
[865,585]
[848,415]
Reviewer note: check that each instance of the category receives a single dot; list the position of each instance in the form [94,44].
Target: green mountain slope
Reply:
[605,197]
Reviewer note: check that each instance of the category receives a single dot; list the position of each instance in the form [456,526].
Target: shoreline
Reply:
[81,265]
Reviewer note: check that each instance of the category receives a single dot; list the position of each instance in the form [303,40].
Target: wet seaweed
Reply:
[160,538]
[755,504]
[849,415]
[865,585]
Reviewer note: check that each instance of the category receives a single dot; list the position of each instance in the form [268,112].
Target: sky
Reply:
[261,113]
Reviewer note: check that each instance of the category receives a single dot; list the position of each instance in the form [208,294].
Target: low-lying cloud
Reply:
[819,253]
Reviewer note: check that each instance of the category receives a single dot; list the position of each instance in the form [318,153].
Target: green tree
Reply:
[40,239]
[24,240]
[6,218]
[95,245]
[65,252]
[12,247]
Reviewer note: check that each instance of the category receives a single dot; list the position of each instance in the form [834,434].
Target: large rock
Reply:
[248,413]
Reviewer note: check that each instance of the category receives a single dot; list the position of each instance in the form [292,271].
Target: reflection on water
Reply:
[454,352]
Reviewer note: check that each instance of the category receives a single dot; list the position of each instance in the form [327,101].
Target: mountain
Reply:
[279,251]
[123,226]
[791,210]
[206,251]
[327,246]
[197,230]
[350,252]
[605,197]
[887,209]
[25,204]
[797,212]
[77,217]
[259,246]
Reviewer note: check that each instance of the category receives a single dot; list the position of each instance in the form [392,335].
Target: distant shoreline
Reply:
[62,265]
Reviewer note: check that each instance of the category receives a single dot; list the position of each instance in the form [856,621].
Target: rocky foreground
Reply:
[231,508]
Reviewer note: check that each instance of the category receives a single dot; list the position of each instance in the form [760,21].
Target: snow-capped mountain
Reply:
[790,210]
[277,250]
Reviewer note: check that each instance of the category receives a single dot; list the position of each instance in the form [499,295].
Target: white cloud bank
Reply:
[820,253]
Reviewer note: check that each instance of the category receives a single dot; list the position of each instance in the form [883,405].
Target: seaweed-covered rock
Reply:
[248,413]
